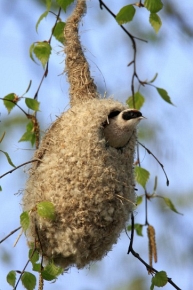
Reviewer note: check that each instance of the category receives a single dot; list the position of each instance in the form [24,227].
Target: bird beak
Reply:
[142,117]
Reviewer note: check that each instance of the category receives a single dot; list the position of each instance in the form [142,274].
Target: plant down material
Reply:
[90,184]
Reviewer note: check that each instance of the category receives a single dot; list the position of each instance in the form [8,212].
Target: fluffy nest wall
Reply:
[90,183]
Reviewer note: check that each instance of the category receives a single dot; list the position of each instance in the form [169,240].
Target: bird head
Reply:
[120,126]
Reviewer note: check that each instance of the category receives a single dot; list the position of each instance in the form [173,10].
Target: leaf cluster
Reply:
[41,51]
[127,13]
[50,272]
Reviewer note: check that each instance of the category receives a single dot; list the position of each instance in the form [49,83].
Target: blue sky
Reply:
[109,51]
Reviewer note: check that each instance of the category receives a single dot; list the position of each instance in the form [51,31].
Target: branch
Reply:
[22,272]
[102,4]
[136,255]
[148,151]
[145,190]
[16,104]
[46,70]
[10,171]
[133,40]
[10,234]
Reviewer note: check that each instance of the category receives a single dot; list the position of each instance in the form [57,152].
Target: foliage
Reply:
[41,50]
[127,13]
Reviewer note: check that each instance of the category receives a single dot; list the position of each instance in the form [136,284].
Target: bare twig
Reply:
[146,194]
[148,151]
[10,234]
[19,236]
[136,255]
[10,171]
[22,272]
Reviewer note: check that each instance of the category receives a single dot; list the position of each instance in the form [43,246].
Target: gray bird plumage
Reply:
[120,126]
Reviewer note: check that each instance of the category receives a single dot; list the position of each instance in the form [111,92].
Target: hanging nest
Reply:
[90,184]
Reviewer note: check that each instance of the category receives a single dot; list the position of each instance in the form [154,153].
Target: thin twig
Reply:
[10,234]
[19,236]
[148,151]
[41,248]
[22,272]
[15,103]
[15,168]
[133,40]
[146,194]
[102,4]
[132,234]
[46,70]
[136,255]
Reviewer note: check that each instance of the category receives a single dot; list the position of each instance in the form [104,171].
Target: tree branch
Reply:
[136,255]
[149,152]
[10,171]
[10,234]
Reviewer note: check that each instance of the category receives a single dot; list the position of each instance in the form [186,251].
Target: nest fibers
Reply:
[90,184]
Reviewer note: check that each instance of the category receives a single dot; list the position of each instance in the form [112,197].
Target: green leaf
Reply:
[138,228]
[2,137]
[31,49]
[155,21]
[29,135]
[139,200]
[160,279]
[154,78]
[42,51]
[141,176]
[29,86]
[32,104]
[126,14]
[11,278]
[64,4]
[46,209]
[163,93]
[152,286]
[153,5]
[10,105]
[28,280]
[8,158]
[139,100]
[0,188]
[48,6]
[24,220]
[37,267]
[155,184]
[42,16]
[51,271]
[59,31]
[169,203]
[35,256]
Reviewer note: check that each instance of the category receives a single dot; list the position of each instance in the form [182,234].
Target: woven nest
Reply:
[89,183]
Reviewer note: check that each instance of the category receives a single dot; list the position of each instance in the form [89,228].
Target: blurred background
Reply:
[167,132]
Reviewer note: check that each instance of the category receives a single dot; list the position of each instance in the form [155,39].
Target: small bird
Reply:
[119,127]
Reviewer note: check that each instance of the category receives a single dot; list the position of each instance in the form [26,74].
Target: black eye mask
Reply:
[113,114]
[131,115]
